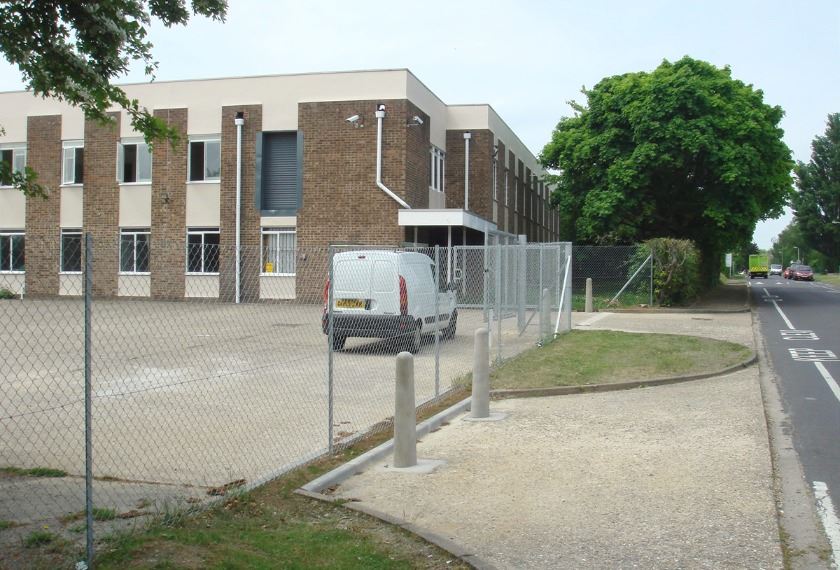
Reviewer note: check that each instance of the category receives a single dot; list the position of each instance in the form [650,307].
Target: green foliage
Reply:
[685,151]
[33,472]
[816,203]
[38,538]
[676,270]
[72,51]
[6,294]
[784,249]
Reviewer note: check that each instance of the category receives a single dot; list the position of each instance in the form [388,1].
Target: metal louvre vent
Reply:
[279,175]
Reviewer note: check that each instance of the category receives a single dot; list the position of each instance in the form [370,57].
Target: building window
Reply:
[437,169]
[71,251]
[205,160]
[15,157]
[279,249]
[516,194]
[203,250]
[73,162]
[506,186]
[135,163]
[12,251]
[134,251]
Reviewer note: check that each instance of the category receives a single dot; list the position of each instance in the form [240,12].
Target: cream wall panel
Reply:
[12,209]
[134,285]
[278,221]
[70,284]
[70,214]
[135,206]
[277,287]
[15,282]
[203,203]
[201,286]
[502,131]
[431,104]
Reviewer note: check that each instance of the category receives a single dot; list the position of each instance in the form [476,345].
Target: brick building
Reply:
[369,158]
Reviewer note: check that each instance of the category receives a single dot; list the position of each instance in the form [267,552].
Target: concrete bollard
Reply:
[588,306]
[480,404]
[405,419]
[545,316]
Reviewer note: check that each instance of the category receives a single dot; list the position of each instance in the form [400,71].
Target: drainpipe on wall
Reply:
[467,137]
[380,114]
[239,121]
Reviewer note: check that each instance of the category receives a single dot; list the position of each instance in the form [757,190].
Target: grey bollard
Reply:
[588,306]
[480,403]
[405,419]
[545,315]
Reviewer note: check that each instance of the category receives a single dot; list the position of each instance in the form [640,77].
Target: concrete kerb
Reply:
[590,388]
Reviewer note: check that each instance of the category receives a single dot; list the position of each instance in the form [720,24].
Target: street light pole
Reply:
[798,258]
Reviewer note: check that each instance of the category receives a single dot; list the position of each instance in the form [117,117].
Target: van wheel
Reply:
[338,341]
[412,342]
[449,331]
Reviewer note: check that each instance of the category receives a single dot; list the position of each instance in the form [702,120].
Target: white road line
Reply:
[784,317]
[825,508]
[832,383]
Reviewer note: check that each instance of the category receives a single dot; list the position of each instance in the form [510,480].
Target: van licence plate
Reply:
[350,303]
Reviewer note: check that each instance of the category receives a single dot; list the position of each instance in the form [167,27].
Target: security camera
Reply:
[353,120]
[417,120]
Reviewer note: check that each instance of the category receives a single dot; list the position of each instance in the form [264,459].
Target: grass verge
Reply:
[271,527]
[33,472]
[599,357]
[830,279]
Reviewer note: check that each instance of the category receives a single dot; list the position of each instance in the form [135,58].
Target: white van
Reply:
[387,294]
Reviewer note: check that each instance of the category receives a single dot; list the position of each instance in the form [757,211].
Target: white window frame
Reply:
[204,139]
[495,179]
[9,234]
[134,232]
[276,231]
[203,232]
[68,232]
[18,158]
[437,169]
[121,162]
[69,147]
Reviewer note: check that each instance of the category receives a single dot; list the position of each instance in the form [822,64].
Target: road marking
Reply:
[813,355]
[799,335]
[825,508]
[832,384]
[784,317]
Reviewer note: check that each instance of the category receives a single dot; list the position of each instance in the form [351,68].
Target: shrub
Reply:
[676,275]
[6,294]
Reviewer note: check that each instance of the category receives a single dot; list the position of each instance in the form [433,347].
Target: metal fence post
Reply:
[650,304]
[88,289]
[498,279]
[330,349]
[437,321]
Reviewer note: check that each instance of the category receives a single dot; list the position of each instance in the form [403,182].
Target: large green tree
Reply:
[684,151]
[816,204]
[73,51]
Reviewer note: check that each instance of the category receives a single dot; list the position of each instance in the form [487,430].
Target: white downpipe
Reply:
[239,121]
[380,114]
[467,137]
[563,295]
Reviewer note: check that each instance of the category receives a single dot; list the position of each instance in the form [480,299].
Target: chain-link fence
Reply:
[622,276]
[148,377]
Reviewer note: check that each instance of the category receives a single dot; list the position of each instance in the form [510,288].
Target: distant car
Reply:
[802,273]
[775,269]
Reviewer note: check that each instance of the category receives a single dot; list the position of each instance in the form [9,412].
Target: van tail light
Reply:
[403,296]
[326,293]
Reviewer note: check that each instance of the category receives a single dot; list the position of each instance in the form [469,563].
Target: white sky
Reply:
[526,58]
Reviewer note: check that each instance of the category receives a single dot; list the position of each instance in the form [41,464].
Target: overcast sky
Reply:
[525,58]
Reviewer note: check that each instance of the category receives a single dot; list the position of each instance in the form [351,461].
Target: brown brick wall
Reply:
[481,171]
[501,155]
[169,205]
[341,201]
[249,214]
[101,208]
[43,154]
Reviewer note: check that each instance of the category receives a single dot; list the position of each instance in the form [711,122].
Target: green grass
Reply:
[33,472]
[99,514]
[5,525]
[599,357]
[830,279]
[271,527]
[38,538]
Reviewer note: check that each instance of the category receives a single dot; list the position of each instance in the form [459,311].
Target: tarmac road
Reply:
[799,322]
